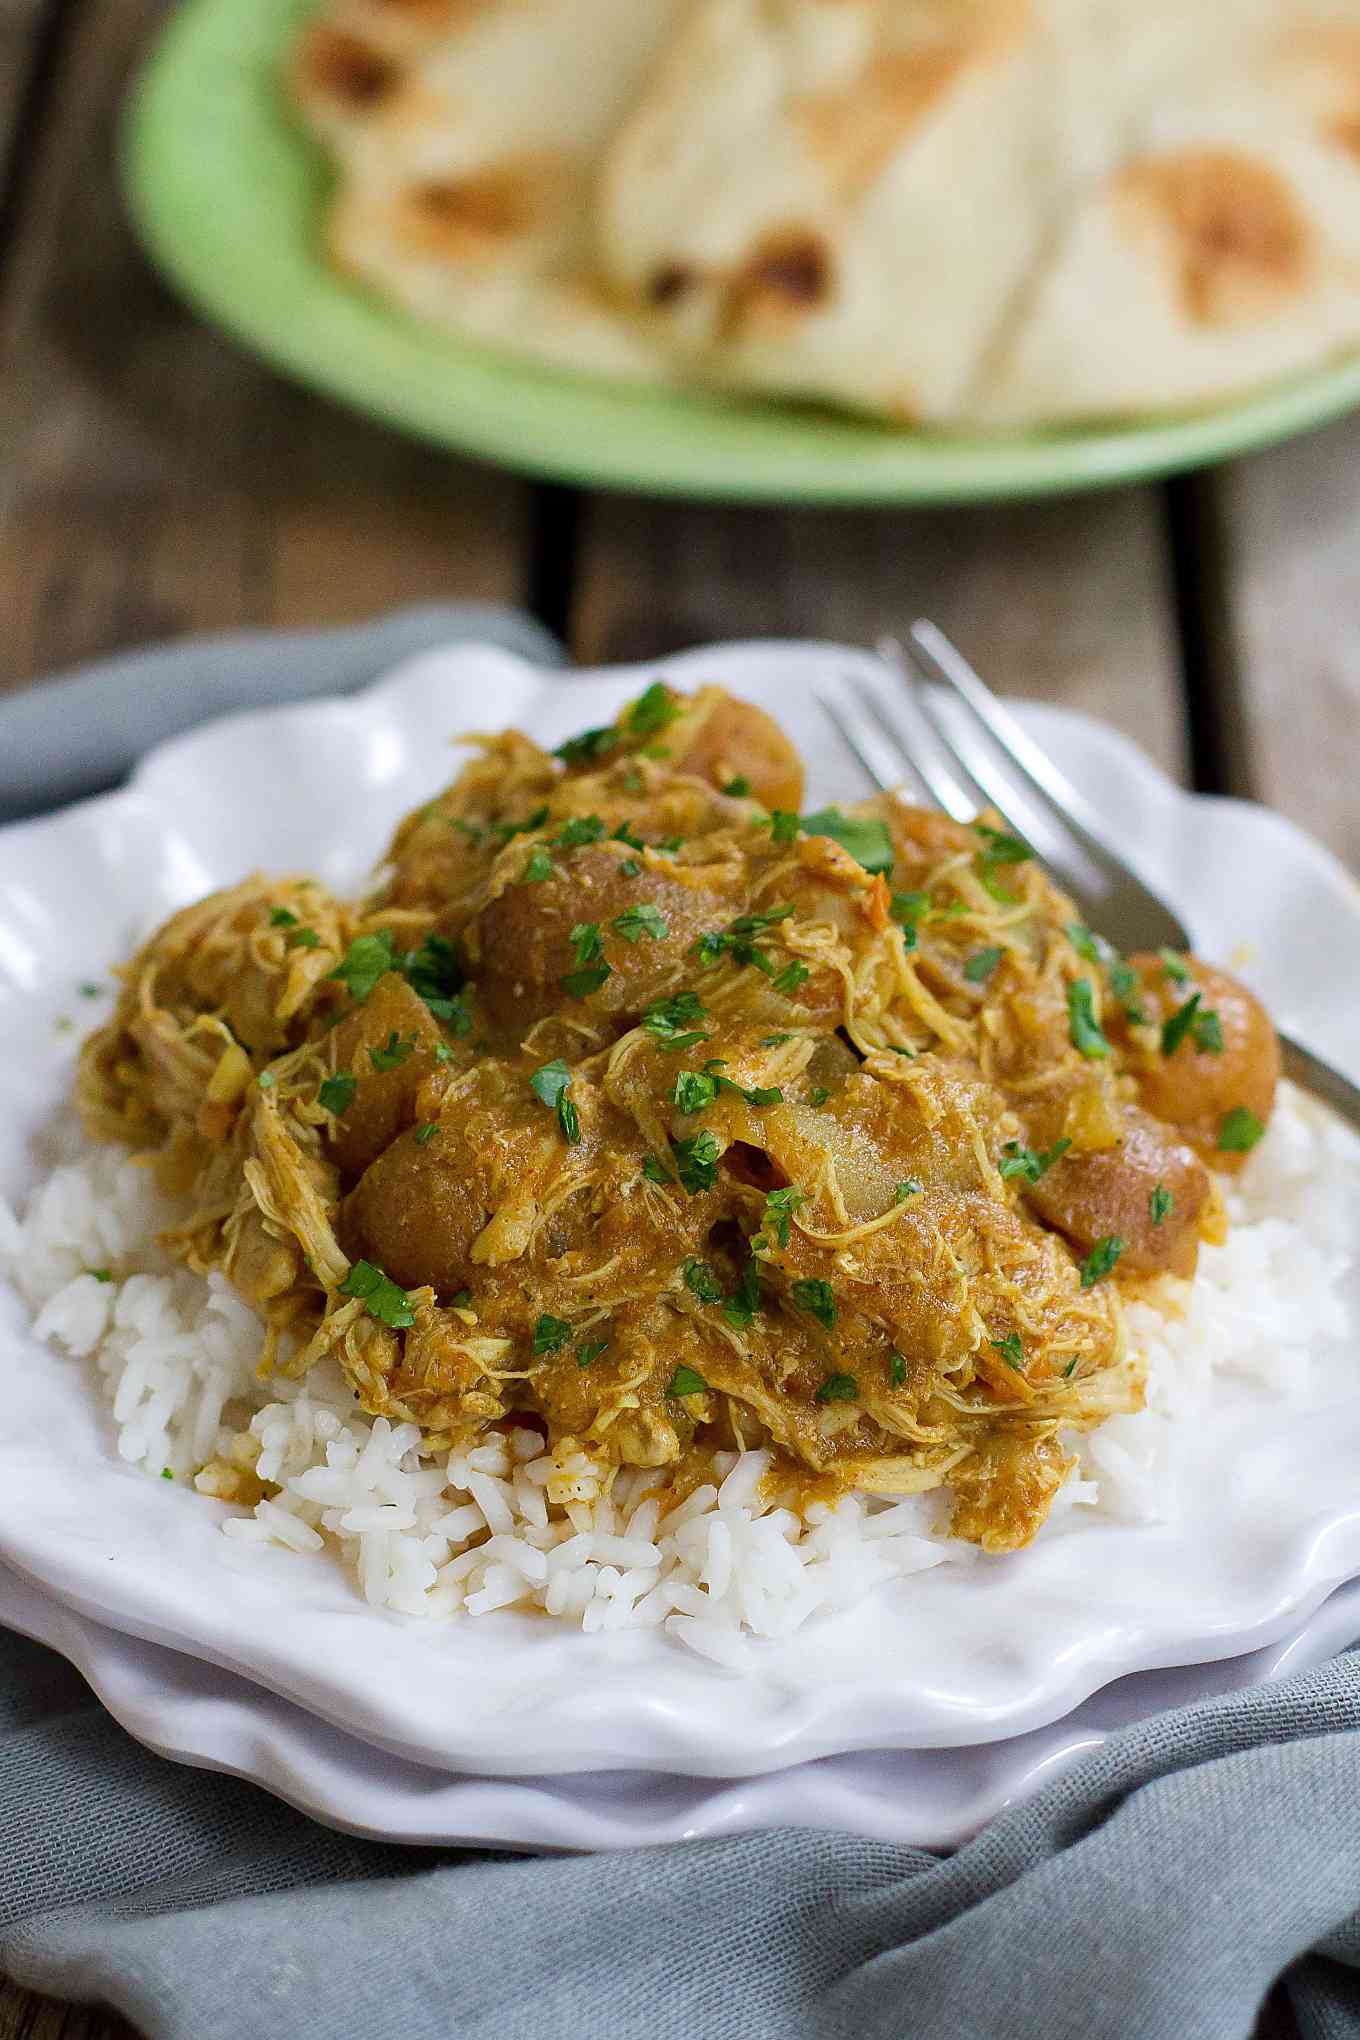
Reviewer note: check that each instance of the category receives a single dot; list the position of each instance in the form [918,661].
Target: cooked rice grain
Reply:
[508,1525]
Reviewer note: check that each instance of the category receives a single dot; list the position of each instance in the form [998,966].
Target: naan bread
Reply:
[1220,251]
[467,133]
[837,197]
[951,212]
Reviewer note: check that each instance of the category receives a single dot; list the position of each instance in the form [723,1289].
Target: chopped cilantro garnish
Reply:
[550,1333]
[539,867]
[864,836]
[1239,1132]
[551,1085]
[442,1052]
[1175,966]
[1124,979]
[394,1051]
[579,984]
[1208,1032]
[337,1093]
[738,788]
[304,938]
[742,1305]
[90,991]
[507,831]
[381,1297]
[897,1369]
[998,849]
[1069,1370]
[630,868]
[368,958]
[652,711]
[838,1388]
[777,1216]
[100,1274]
[753,1094]
[696,1161]
[655,1170]
[1160,1204]
[460,1299]
[589,1351]
[980,966]
[790,978]
[685,1381]
[818,1095]
[635,922]
[818,1299]
[586,941]
[694,1091]
[1028,1162]
[549,1082]
[702,1282]
[1101,1260]
[266,1080]
[579,830]
[909,1187]
[279,917]
[668,1019]
[907,908]
[435,971]
[426,1133]
[626,833]
[774,1040]
[783,826]
[1011,1350]
[166,1473]
[1083,1027]
[590,745]
[1175,1030]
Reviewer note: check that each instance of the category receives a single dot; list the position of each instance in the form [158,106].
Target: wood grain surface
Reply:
[1068,602]
[1292,522]
[155,481]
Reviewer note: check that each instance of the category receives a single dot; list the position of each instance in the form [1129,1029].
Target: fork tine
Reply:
[1044,789]
[925,757]
[867,742]
[1005,789]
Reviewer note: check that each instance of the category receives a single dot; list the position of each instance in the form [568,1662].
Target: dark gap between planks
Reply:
[555,520]
[20,159]
[1198,554]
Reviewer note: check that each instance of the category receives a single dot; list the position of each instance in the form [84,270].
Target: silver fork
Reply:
[981,757]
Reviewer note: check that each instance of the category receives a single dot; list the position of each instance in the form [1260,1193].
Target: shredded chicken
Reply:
[632,1104]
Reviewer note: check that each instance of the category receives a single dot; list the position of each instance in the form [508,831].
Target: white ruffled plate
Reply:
[955,1658]
[933,1799]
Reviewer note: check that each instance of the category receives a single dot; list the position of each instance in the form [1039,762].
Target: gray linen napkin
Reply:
[1153,1893]
[84,730]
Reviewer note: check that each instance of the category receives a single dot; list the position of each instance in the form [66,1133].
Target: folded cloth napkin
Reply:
[1152,1893]
[82,731]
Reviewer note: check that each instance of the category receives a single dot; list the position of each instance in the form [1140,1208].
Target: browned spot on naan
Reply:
[855,131]
[1231,226]
[670,283]
[786,275]
[1324,59]
[339,66]
[463,218]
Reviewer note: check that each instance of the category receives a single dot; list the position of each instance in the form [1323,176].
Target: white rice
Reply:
[508,1525]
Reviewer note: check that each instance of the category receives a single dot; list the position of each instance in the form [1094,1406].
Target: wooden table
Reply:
[154,481]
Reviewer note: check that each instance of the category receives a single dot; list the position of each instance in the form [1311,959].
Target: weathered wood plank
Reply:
[1292,522]
[1065,601]
[156,480]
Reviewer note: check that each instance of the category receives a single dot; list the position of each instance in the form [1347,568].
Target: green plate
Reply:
[227,193]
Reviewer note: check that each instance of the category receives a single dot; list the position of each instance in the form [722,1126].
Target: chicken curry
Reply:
[638,1104]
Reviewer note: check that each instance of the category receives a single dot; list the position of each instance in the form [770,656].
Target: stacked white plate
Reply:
[913,1717]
